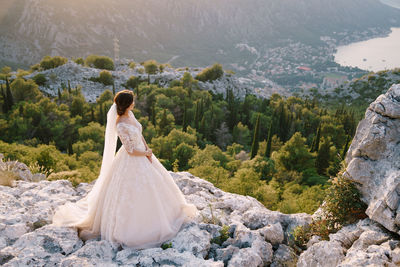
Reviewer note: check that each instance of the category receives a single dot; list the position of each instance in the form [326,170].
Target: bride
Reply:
[134,201]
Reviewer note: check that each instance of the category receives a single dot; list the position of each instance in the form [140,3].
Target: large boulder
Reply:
[374,159]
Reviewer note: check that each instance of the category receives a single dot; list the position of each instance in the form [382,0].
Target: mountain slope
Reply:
[193,32]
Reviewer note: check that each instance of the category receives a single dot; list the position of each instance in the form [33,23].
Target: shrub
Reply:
[7,175]
[24,90]
[35,67]
[99,62]
[211,73]
[37,168]
[132,65]
[105,77]
[52,62]
[224,235]
[343,202]
[79,61]
[342,206]
[40,79]
[166,245]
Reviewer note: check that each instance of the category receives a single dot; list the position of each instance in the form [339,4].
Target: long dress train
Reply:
[138,205]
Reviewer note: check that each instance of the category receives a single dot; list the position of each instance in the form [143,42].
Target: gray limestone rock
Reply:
[26,238]
[374,159]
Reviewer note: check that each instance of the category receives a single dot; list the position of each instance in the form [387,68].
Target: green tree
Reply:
[165,123]
[323,156]
[132,65]
[99,62]
[79,61]
[105,77]
[183,153]
[269,142]
[255,143]
[133,83]
[52,62]
[211,73]
[241,135]
[346,147]
[40,79]
[9,96]
[151,67]
[77,106]
[294,155]
[107,95]
[24,90]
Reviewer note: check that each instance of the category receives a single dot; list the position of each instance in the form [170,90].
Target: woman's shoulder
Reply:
[125,125]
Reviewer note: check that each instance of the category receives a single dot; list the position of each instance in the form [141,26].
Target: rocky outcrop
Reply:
[256,235]
[77,75]
[374,159]
[373,162]
[365,243]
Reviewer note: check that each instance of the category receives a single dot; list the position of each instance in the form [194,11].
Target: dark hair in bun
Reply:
[123,99]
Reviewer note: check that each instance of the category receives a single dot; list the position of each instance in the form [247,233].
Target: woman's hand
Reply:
[149,153]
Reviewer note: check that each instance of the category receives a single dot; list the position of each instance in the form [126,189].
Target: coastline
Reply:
[354,61]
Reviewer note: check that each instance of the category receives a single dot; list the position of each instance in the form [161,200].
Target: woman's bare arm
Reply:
[139,153]
[145,144]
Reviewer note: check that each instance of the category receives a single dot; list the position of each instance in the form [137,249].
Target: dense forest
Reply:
[281,151]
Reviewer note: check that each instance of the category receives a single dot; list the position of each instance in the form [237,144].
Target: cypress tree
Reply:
[283,122]
[59,94]
[153,113]
[101,116]
[212,124]
[231,109]
[203,127]
[163,123]
[113,88]
[184,124]
[3,94]
[69,87]
[254,146]
[315,146]
[190,91]
[104,114]
[196,115]
[201,109]
[346,147]
[9,97]
[91,113]
[323,157]
[269,142]
[69,149]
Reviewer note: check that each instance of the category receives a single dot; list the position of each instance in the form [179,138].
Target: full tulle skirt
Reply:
[138,205]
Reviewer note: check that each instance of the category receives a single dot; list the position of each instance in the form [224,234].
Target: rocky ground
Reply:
[78,75]
[257,236]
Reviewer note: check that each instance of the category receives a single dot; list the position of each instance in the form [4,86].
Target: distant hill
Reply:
[193,33]
[360,92]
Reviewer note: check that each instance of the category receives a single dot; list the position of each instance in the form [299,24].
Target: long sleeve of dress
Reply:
[128,136]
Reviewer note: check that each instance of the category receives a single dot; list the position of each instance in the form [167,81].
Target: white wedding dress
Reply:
[136,204]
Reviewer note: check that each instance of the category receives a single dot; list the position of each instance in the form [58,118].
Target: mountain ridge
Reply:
[197,31]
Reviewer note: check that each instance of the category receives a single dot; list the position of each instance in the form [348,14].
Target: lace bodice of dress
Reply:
[130,135]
